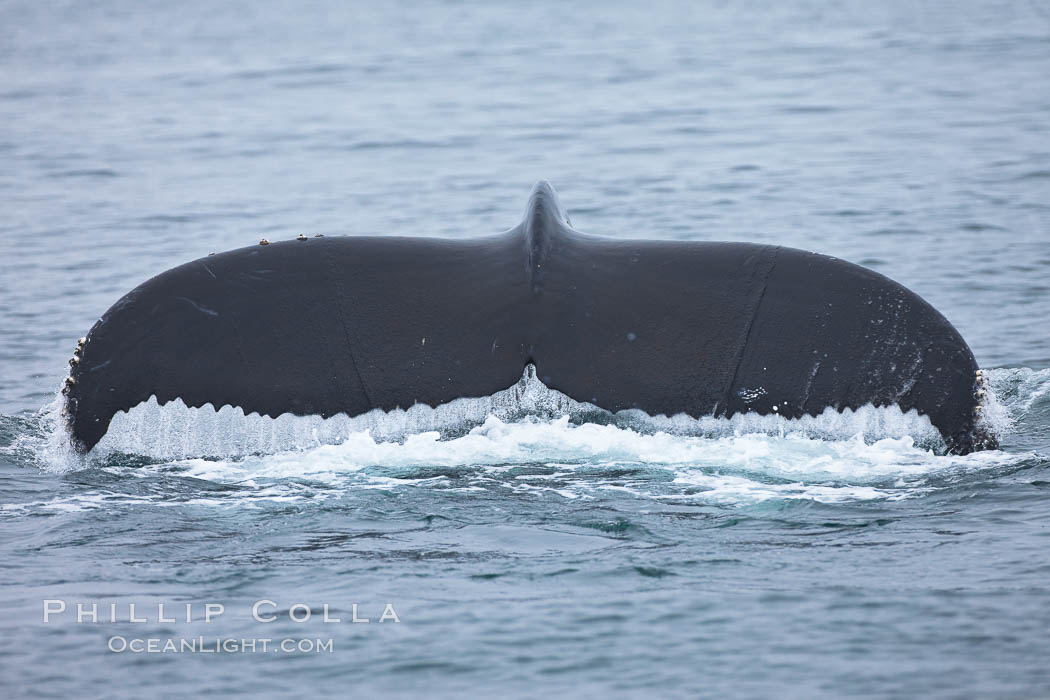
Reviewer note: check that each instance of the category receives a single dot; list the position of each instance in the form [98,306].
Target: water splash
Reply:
[525,442]
[175,431]
[537,459]
[40,439]
[1019,389]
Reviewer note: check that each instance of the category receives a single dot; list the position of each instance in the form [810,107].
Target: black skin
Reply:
[348,324]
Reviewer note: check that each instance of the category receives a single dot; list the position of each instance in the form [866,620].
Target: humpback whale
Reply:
[327,325]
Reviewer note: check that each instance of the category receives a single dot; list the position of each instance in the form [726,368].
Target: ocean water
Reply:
[526,544]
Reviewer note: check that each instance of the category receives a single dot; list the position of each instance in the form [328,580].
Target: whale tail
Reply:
[328,325]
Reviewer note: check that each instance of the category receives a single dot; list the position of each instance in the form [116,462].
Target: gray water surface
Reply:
[536,555]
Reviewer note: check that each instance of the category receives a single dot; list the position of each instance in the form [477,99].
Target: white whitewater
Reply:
[571,450]
[175,431]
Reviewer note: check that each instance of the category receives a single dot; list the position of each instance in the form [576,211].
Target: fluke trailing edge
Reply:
[328,325]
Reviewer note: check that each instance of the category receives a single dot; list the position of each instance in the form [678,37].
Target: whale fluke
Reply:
[328,325]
